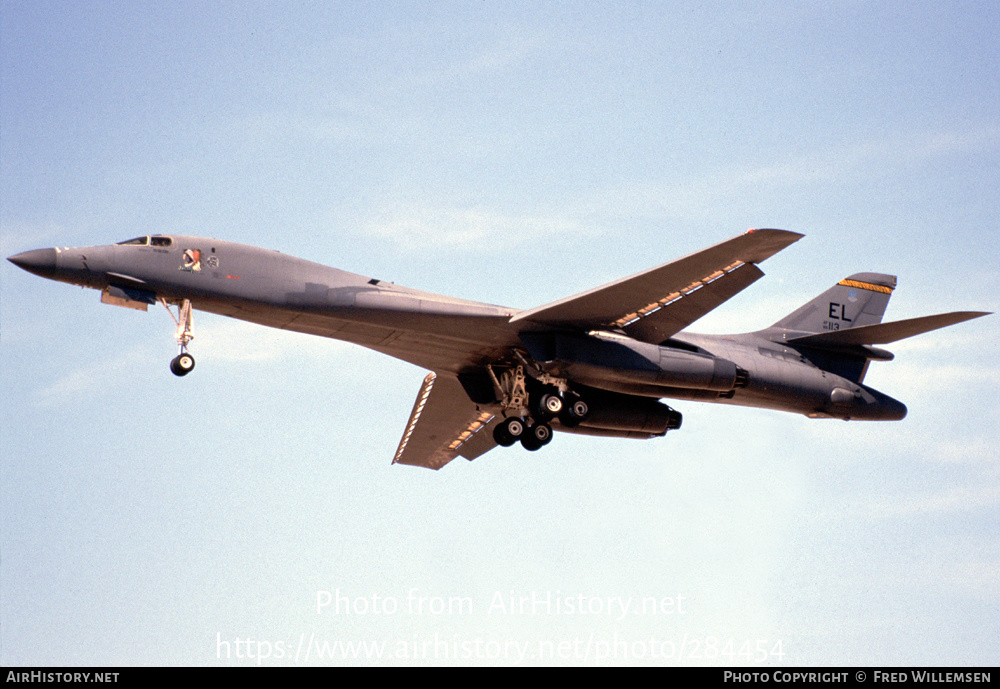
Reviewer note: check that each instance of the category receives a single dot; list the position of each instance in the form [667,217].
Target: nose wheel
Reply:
[183,363]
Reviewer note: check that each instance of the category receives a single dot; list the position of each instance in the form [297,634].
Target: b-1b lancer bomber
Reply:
[597,363]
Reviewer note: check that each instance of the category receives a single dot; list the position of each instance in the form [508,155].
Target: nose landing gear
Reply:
[183,363]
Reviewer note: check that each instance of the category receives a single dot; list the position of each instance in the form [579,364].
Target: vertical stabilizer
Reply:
[854,301]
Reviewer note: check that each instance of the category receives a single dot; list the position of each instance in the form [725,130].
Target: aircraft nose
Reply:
[39,261]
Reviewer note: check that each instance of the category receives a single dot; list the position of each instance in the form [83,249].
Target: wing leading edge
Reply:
[658,303]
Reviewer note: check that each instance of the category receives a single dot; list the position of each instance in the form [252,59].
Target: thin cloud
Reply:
[89,382]
[417,226]
[223,340]
[271,127]
[950,500]
[854,162]
[21,236]
[499,58]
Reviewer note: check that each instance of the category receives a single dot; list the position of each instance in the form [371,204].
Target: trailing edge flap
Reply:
[657,303]
[444,424]
[884,333]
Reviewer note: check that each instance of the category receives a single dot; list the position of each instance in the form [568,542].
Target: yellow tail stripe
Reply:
[866,285]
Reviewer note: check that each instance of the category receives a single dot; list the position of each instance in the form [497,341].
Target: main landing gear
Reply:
[531,405]
[513,429]
[183,363]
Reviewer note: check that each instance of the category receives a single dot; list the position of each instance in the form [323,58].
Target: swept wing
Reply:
[444,424]
[658,303]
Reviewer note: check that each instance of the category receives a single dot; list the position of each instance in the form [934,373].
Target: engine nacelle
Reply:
[628,414]
[606,360]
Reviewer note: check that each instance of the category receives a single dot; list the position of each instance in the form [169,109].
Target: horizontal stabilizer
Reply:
[884,333]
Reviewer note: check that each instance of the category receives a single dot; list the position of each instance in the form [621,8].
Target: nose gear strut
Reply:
[183,363]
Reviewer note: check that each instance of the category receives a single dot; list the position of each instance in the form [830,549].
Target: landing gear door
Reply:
[130,298]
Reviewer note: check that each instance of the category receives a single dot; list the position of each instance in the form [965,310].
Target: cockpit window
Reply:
[148,241]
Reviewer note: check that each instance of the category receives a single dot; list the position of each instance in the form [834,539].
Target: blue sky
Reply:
[513,153]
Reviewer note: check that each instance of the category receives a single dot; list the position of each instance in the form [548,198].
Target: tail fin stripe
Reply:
[866,285]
